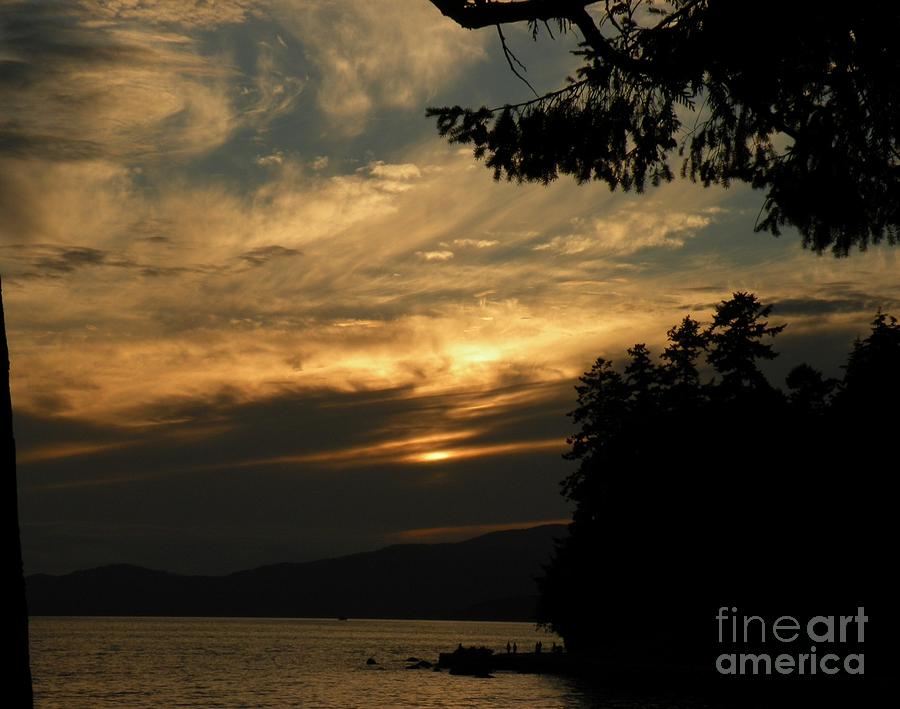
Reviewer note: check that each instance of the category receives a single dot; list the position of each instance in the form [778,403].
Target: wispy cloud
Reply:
[76,88]
[132,81]
[435,255]
[193,13]
[357,292]
[264,254]
[629,230]
[466,531]
[475,243]
[377,55]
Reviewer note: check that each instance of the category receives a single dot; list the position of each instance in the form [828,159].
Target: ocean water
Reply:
[315,663]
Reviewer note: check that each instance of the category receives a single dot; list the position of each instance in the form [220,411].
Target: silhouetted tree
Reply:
[567,587]
[690,495]
[679,373]
[601,414]
[735,343]
[18,692]
[871,374]
[810,392]
[861,442]
[804,106]
[864,405]
[643,378]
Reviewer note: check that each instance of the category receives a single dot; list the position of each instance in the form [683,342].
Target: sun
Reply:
[435,456]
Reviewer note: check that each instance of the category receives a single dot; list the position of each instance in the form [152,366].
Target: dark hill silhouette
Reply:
[490,577]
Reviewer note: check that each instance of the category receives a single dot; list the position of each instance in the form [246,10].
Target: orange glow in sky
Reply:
[235,256]
[434,456]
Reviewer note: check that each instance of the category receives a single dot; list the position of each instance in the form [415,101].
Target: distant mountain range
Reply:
[490,577]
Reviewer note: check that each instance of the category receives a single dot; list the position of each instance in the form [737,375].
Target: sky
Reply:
[259,311]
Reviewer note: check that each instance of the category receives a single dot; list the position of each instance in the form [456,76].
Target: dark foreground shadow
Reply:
[731,538]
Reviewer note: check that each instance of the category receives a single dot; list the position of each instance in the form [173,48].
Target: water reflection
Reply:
[145,662]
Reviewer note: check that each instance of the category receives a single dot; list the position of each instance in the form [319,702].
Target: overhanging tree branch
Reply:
[510,58]
[475,15]
[826,80]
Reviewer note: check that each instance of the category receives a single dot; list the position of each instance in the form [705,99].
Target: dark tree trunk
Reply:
[19,691]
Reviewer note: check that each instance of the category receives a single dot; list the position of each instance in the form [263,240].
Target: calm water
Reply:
[215,662]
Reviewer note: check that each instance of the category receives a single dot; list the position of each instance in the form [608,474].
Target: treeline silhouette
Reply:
[699,487]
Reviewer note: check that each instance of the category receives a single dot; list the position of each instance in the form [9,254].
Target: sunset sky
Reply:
[259,311]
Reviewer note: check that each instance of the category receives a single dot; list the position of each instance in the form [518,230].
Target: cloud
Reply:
[823,306]
[393,177]
[193,13]
[372,302]
[630,230]
[402,172]
[47,261]
[132,81]
[75,203]
[566,245]
[77,89]
[264,254]
[435,255]
[372,56]
[467,531]
[276,158]
[274,91]
[475,243]
[66,260]
[163,491]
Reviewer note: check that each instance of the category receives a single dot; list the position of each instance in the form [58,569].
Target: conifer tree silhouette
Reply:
[687,492]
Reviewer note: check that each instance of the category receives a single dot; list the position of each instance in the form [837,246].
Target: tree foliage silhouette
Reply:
[735,343]
[806,106]
[691,484]
[679,374]
[871,372]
